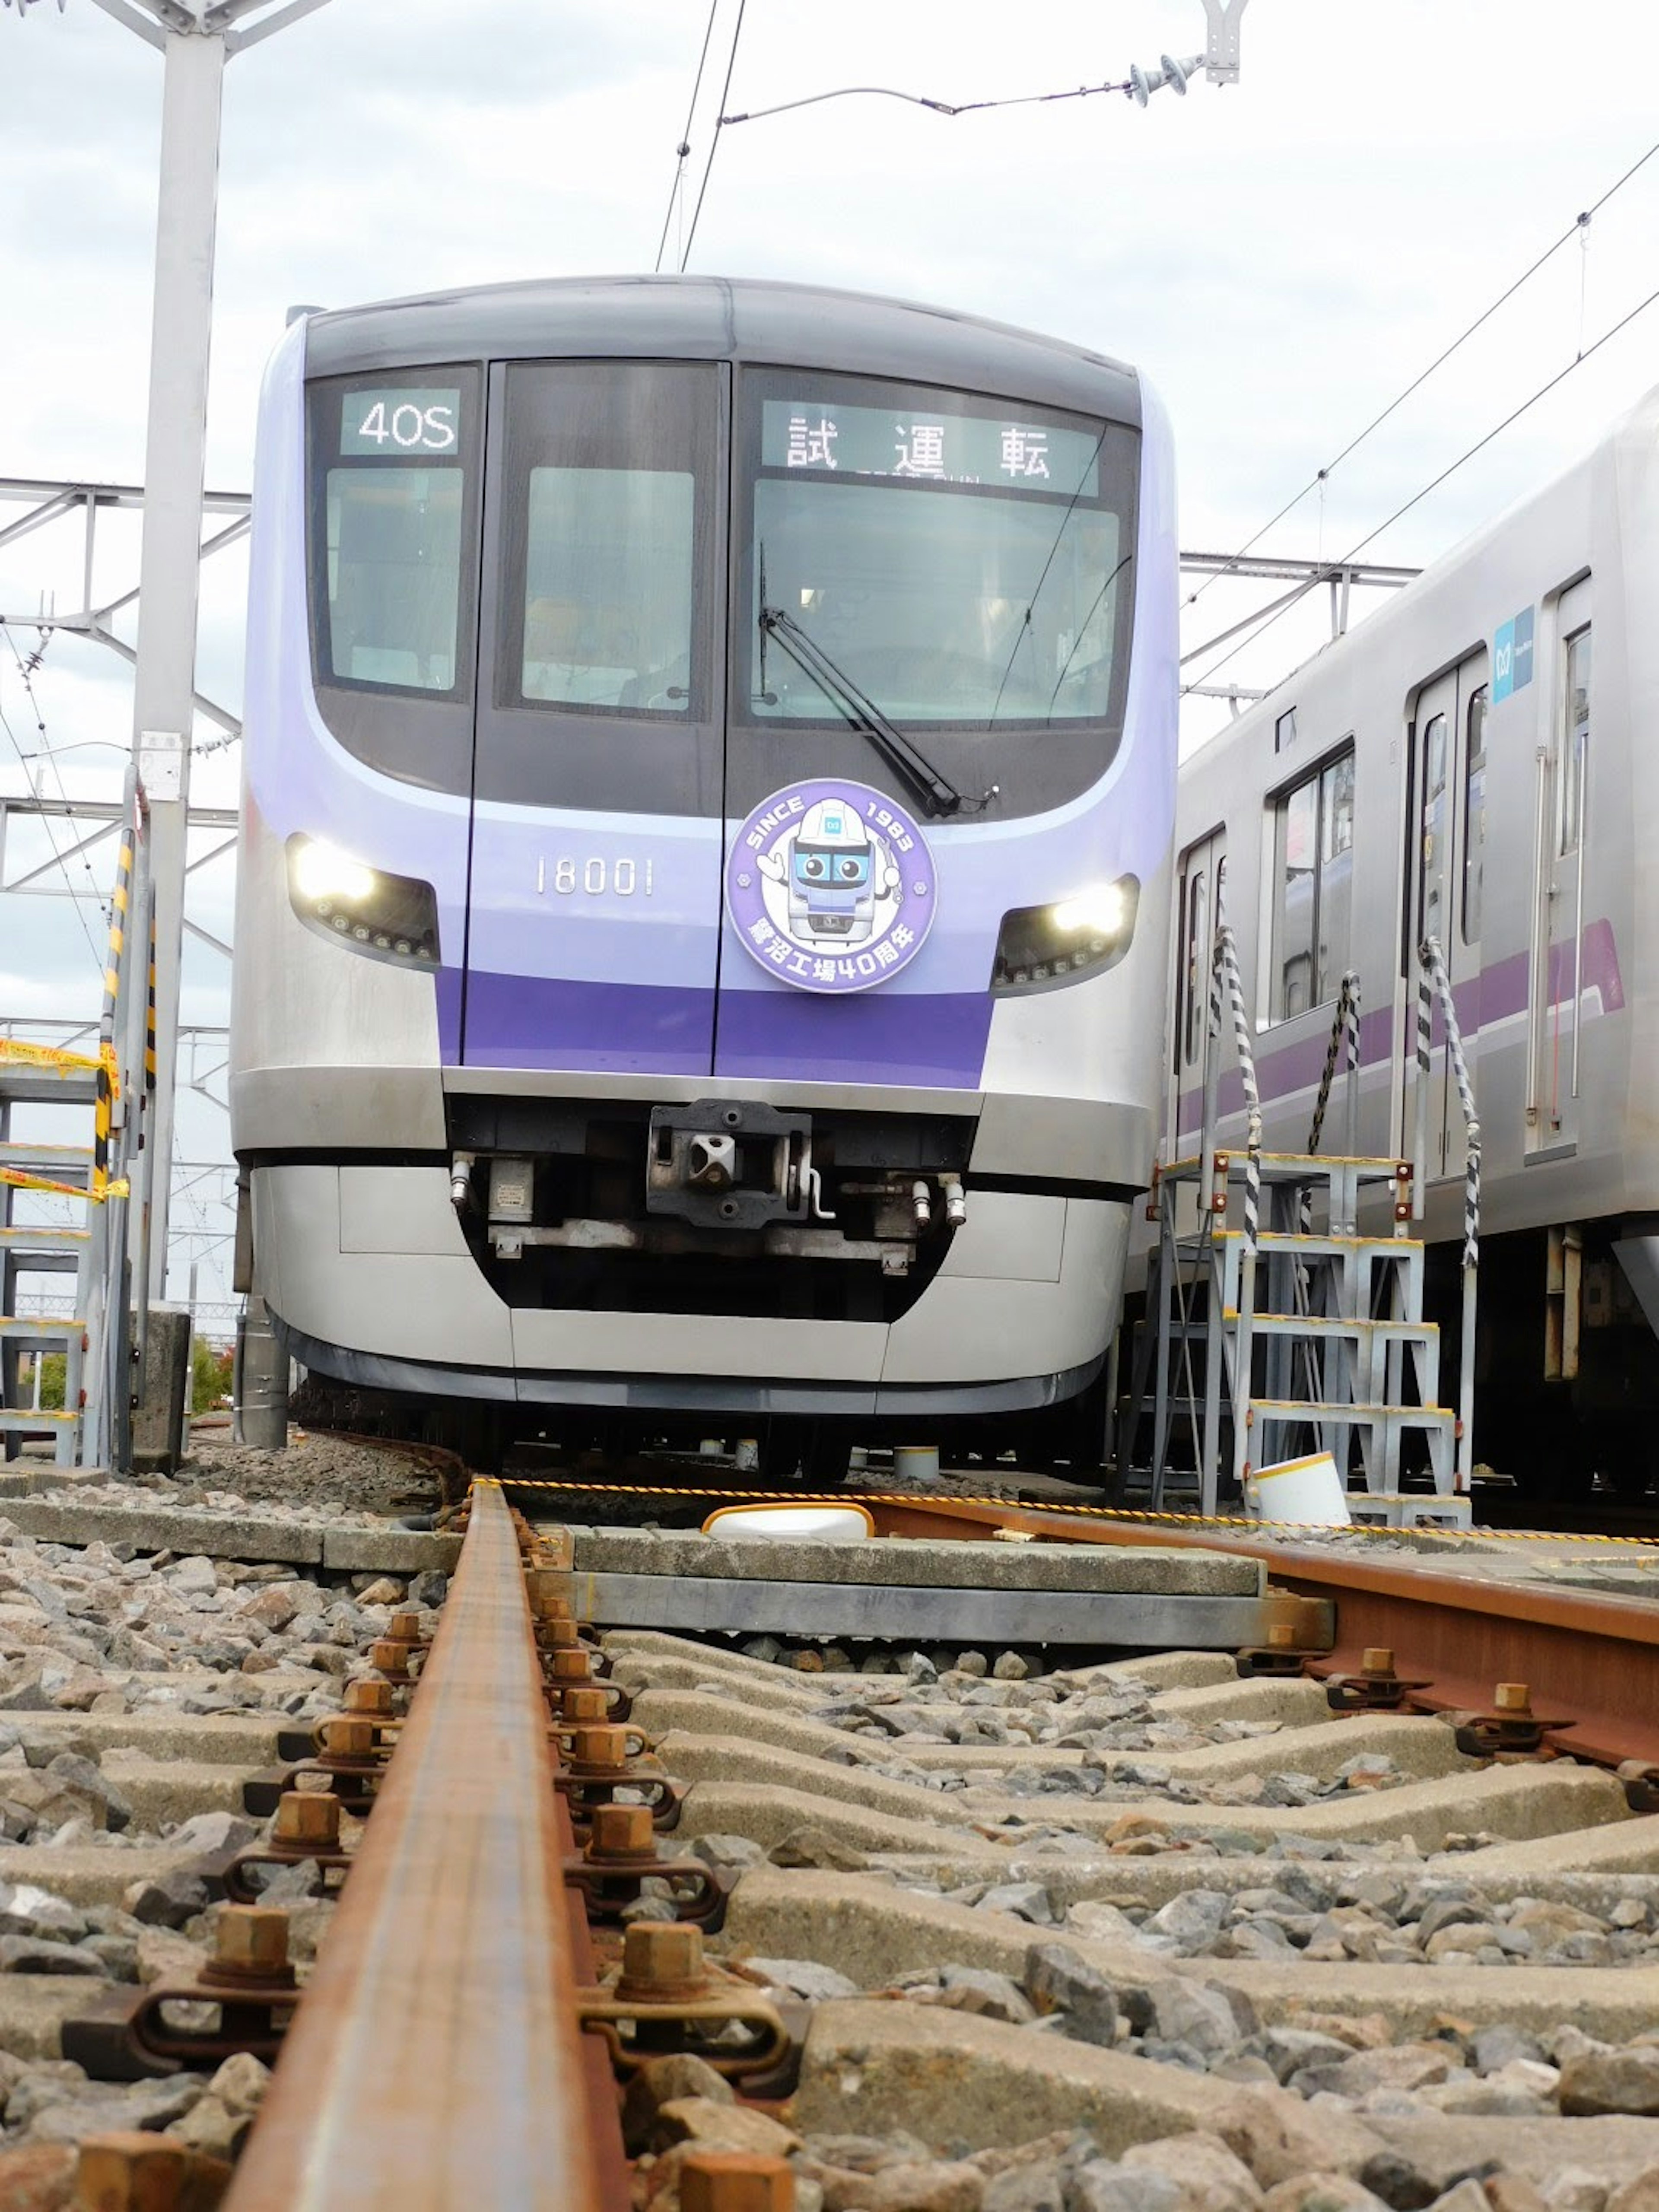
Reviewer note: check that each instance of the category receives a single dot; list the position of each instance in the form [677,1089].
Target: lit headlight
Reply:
[1040,946]
[388,917]
[321,872]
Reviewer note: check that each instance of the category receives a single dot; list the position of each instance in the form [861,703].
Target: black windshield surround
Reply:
[392,470]
[498,705]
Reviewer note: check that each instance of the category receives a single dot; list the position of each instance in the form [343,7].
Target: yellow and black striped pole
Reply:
[109,1071]
[150,1015]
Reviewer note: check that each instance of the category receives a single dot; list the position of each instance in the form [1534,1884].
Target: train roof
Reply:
[722,319]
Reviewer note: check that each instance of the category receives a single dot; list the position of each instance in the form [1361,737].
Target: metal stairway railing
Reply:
[1305,1329]
[91,1425]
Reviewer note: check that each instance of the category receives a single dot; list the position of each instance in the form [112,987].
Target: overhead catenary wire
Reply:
[725,120]
[921,100]
[76,896]
[1293,598]
[683,151]
[1578,228]
[714,141]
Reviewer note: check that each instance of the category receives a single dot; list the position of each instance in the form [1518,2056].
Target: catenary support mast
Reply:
[195,38]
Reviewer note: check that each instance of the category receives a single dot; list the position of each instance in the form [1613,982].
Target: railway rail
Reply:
[628,1919]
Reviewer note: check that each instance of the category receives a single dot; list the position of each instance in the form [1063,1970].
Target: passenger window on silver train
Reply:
[1474,816]
[1198,964]
[1433,838]
[1313,889]
[1575,740]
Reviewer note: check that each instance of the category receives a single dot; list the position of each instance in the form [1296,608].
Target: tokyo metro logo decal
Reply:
[831,886]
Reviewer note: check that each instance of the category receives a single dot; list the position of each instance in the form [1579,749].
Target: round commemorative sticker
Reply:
[831,886]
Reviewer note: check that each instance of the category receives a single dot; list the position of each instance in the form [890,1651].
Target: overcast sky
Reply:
[1281,258]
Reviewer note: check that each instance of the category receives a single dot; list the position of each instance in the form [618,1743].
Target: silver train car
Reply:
[708,800]
[1474,763]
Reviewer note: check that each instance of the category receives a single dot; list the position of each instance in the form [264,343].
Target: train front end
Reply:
[709,782]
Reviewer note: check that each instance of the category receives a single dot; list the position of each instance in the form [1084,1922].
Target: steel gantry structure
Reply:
[196,38]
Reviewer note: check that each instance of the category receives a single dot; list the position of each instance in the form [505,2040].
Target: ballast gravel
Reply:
[1314,2111]
[105,1632]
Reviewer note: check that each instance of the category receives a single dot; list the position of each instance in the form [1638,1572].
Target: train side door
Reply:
[1445,891]
[593,902]
[1555,991]
[1201,887]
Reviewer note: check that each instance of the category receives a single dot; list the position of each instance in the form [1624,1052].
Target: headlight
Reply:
[1040,946]
[388,917]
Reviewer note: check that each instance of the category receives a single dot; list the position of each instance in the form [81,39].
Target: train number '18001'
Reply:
[597,877]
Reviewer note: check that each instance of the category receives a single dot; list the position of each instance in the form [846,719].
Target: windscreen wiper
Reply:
[937,794]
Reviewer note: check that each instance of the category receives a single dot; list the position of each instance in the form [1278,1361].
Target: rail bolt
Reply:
[662,1964]
[598,1750]
[1374,1689]
[583,1707]
[571,1665]
[251,1947]
[622,1833]
[349,1735]
[309,1817]
[1512,1729]
[546,1587]
[404,1628]
[374,1699]
[1281,1656]
[735,2181]
[134,2173]
[391,1659]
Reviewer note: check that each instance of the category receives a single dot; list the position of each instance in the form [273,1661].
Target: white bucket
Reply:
[916,1462]
[1309,1490]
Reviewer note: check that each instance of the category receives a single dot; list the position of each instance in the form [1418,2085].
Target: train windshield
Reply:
[391,464]
[966,562]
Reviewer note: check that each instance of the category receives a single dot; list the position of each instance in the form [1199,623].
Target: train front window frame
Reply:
[606,541]
[1310,834]
[905,528]
[393,471]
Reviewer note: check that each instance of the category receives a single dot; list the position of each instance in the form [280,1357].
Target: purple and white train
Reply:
[708,804]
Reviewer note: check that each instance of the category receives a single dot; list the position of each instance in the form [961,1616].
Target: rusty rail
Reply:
[436,2058]
[1595,1658]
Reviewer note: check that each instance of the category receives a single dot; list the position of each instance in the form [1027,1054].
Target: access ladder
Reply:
[1261,1343]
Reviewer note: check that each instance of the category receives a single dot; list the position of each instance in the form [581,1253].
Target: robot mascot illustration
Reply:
[838,871]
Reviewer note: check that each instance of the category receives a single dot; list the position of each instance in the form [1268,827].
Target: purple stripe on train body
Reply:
[539,1021]
[864,1037]
[1122,825]
[1498,993]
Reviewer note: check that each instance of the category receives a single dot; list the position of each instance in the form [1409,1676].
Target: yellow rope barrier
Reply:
[1081,1512]
[48,1055]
